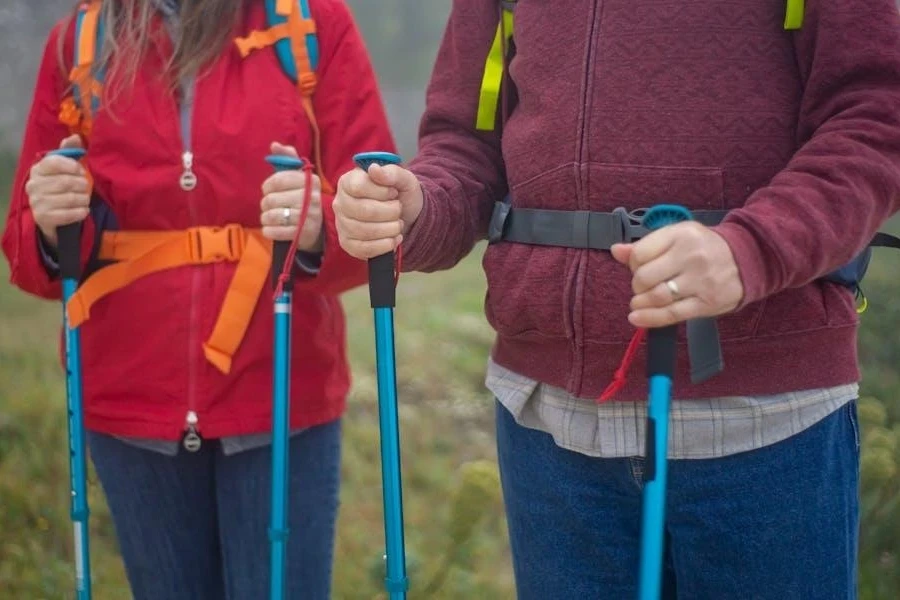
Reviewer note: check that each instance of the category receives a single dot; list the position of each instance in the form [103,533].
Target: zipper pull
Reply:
[188,180]
[192,440]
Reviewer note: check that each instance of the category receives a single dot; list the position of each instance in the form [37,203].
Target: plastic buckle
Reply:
[630,223]
[306,83]
[497,226]
[216,244]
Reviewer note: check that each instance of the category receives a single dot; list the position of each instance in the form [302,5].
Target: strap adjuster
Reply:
[216,244]
[497,226]
[631,227]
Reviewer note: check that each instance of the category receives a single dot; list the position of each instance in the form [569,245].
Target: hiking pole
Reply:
[69,250]
[382,296]
[660,371]
[281,404]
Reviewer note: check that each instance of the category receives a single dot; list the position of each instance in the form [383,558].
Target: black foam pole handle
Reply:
[661,351]
[382,291]
[661,342]
[68,237]
[382,288]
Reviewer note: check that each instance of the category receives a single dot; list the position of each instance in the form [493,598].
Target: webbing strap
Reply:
[257,40]
[885,240]
[239,304]
[704,349]
[494,67]
[495,63]
[600,231]
[141,253]
[85,80]
[292,33]
[575,229]
[793,14]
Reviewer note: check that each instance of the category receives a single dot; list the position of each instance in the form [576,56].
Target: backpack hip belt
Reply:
[141,253]
[589,230]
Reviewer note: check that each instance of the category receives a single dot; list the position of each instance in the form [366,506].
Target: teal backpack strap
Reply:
[289,63]
[291,30]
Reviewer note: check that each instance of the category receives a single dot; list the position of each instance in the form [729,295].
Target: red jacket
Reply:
[143,361]
[624,103]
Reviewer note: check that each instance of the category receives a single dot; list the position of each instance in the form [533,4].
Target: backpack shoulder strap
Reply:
[793,14]
[495,63]
[298,53]
[292,33]
[86,80]
[494,69]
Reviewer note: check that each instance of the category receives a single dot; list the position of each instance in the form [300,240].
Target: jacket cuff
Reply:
[420,241]
[49,257]
[750,261]
[309,263]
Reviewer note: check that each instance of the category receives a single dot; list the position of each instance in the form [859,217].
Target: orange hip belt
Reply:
[140,253]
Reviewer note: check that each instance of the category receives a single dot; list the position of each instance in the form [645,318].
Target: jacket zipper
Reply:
[576,333]
[188,182]
[585,97]
[191,439]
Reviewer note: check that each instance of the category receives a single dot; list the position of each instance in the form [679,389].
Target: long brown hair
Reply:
[205,27]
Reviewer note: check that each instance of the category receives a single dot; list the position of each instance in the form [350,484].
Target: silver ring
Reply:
[286,216]
[673,289]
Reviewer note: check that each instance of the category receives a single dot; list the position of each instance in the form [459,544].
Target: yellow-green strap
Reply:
[793,15]
[493,76]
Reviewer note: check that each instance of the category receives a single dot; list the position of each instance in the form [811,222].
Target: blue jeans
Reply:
[195,526]
[776,523]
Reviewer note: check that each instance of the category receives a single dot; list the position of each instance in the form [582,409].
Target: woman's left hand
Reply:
[283,201]
[680,272]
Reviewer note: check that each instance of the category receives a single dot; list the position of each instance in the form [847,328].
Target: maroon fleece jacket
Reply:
[710,105]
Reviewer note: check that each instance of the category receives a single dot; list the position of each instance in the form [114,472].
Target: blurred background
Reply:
[456,539]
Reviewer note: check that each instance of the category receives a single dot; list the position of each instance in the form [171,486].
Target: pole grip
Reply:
[280,250]
[661,342]
[69,236]
[661,351]
[382,290]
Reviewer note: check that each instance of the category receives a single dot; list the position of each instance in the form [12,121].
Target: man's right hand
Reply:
[374,209]
[58,191]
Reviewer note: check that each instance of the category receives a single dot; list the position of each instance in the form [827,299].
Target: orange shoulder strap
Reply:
[77,111]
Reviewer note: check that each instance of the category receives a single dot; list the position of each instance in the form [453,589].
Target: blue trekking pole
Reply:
[382,296]
[69,250]
[281,405]
[661,350]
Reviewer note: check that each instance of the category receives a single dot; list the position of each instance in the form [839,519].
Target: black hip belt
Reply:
[589,230]
[599,231]
[575,228]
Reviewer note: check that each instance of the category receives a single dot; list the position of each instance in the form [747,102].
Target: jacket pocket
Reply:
[526,289]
